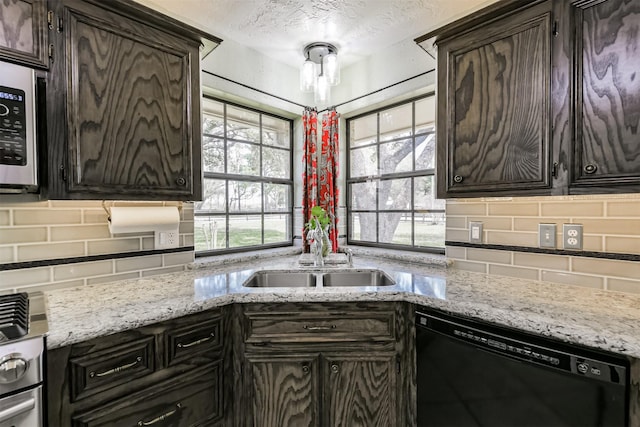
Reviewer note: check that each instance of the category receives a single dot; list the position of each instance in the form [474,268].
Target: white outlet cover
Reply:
[166,239]
[572,236]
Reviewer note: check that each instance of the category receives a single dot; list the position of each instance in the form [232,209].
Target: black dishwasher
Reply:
[471,373]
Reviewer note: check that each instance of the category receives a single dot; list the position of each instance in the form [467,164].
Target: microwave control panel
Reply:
[13,129]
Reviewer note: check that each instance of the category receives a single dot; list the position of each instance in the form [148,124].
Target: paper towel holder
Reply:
[107,209]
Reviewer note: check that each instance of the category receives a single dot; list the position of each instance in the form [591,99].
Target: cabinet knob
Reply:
[335,368]
[181,181]
[457,179]
[590,168]
[305,369]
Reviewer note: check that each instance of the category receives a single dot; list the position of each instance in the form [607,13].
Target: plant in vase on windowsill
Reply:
[318,229]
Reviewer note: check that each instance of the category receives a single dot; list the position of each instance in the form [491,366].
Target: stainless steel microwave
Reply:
[18,151]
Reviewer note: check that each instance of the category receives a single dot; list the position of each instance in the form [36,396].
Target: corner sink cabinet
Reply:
[539,98]
[172,373]
[324,364]
[123,103]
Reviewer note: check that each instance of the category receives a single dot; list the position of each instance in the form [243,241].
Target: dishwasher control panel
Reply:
[514,346]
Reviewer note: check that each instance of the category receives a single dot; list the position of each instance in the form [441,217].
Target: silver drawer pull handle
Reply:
[200,341]
[17,409]
[160,418]
[115,370]
[319,328]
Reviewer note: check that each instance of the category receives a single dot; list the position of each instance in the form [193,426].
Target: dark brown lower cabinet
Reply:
[189,400]
[326,364]
[351,389]
[171,373]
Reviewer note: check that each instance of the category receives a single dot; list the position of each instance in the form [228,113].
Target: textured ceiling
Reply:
[281,28]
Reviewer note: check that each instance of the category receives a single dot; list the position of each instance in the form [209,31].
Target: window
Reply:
[391,182]
[248,186]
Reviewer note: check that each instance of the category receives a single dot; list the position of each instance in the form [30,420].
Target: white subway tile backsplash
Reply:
[50,251]
[23,277]
[82,270]
[5,217]
[109,246]
[586,281]
[112,278]
[611,224]
[178,258]
[80,232]
[6,254]
[138,263]
[46,217]
[51,286]
[18,235]
[164,270]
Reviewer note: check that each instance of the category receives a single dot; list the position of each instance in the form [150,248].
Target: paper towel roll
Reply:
[148,218]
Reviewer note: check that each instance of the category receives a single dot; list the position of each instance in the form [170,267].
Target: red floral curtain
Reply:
[328,172]
[320,173]
[310,166]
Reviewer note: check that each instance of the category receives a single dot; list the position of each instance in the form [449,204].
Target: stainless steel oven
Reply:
[22,347]
[18,151]
[474,374]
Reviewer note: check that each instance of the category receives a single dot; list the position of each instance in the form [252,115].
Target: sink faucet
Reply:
[349,253]
[317,251]
[316,235]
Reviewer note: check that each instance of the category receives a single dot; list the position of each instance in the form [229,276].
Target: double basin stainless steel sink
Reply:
[303,279]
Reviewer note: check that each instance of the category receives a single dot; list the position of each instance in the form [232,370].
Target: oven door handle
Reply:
[18,409]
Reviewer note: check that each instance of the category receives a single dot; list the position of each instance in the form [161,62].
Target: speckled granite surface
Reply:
[600,319]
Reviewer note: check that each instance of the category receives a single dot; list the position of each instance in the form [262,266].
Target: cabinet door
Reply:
[493,118]
[23,32]
[125,109]
[359,390]
[607,58]
[282,390]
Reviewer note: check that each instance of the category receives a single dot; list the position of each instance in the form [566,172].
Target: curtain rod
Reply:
[253,88]
[378,90]
[326,109]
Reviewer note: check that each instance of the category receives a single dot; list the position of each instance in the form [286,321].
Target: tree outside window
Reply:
[248,183]
[391,178]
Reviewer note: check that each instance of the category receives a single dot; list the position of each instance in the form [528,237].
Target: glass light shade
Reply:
[323,91]
[331,68]
[308,76]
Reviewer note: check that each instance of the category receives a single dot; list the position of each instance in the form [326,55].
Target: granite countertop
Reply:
[600,319]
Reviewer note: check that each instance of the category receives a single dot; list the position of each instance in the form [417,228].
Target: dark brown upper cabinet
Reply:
[539,98]
[24,32]
[493,122]
[607,91]
[123,104]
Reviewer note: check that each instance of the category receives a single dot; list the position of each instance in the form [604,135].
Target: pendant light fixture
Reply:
[320,71]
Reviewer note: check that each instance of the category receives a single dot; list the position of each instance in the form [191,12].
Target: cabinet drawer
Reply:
[102,370]
[189,400]
[191,340]
[313,327]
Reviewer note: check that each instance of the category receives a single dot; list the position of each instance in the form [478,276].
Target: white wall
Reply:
[250,67]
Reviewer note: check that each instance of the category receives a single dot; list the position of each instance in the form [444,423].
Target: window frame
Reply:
[349,181]
[262,180]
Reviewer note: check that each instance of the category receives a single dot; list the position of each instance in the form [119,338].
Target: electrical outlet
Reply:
[547,235]
[166,239]
[475,232]
[572,236]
